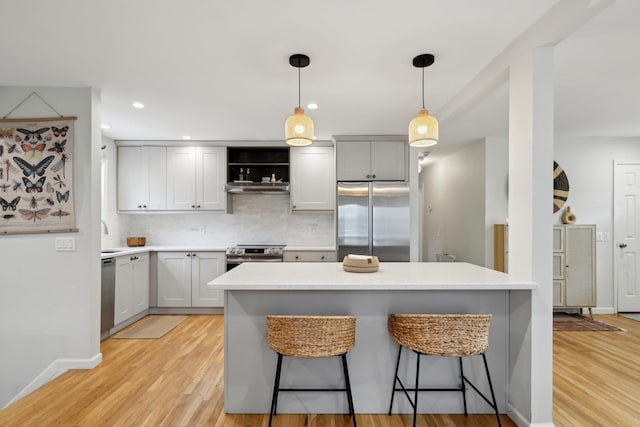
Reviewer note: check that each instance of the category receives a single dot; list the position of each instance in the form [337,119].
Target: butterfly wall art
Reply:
[37,175]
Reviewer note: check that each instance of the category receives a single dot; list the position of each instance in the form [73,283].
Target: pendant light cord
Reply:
[423,88]
[299,84]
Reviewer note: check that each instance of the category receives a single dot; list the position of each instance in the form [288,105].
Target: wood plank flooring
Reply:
[178,381]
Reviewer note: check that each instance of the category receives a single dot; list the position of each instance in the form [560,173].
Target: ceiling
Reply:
[217,70]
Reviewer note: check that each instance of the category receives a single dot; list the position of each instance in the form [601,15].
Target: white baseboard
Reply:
[57,368]
[522,421]
[604,310]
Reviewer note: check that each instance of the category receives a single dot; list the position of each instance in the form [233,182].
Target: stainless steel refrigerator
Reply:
[373,219]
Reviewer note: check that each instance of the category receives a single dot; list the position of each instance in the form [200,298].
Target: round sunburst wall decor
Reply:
[560,187]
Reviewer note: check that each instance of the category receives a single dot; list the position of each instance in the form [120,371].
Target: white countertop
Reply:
[310,248]
[126,250]
[392,275]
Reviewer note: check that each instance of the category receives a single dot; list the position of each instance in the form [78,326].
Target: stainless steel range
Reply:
[253,253]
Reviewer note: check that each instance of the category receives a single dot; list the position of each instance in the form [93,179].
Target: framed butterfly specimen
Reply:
[36,185]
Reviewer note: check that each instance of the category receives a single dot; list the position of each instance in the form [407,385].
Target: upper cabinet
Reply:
[371,160]
[142,175]
[312,179]
[195,178]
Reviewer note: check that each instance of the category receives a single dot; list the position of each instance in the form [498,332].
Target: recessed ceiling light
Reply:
[138,105]
[105,126]
[312,106]
[186,137]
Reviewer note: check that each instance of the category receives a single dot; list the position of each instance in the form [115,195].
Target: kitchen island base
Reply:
[250,363]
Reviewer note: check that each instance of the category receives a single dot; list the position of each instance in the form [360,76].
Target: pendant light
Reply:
[423,129]
[298,129]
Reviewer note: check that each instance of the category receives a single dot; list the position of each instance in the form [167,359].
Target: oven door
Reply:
[235,260]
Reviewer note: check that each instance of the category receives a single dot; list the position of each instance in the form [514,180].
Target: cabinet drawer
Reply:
[310,256]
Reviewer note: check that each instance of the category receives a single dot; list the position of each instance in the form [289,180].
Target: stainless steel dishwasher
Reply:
[108,296]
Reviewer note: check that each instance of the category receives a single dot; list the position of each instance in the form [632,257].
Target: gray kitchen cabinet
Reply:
[312,178]
[196,178]
[309,256]
[142,178]
[371,160]
[574,266]
[132,286]
[183,278]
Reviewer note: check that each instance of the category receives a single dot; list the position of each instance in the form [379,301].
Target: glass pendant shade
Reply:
[298,129]
[423,130]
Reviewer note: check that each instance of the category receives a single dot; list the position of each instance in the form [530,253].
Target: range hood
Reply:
[244,187]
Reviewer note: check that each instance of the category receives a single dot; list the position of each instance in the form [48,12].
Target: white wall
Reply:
[454,205]
[49,301]
[496,189]
[588,163]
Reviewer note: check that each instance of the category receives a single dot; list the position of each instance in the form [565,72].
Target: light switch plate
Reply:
[65,244]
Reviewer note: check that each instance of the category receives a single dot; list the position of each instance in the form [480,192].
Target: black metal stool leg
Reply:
[276,388]
[415,399]
[463,387]
[395,379]
[493,396]
[345,368]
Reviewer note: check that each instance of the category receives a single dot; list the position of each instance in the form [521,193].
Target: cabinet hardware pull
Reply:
[139,206]
[373,176]
[297,257]
[198,206]
[144,206]
[622,245]
[193,206]
[322,257]
[368,176]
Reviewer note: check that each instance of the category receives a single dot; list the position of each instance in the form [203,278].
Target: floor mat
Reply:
[577,322]
[151,327]
[634,316]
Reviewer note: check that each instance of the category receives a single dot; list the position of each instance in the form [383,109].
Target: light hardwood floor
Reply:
[178,381]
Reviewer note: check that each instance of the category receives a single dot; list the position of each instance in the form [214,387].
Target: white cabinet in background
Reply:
[196,178]
[312,179]
[574,266]
[371,160]
[142,178]
[183,278]
[132,286]
[310,256]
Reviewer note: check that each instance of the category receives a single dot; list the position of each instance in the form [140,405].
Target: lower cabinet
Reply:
[132,286]
[183,278]
[309,256]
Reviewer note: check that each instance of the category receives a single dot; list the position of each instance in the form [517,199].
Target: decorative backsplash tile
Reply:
[256,218]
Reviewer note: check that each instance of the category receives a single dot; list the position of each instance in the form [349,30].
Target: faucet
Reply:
[105,229]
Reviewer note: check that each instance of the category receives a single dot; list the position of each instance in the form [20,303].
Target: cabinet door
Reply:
[580,271]
[210,178]
[154,166]
[312,179]
[124,290]
[140,276]
[558,293]
[388,160]
[142,175]
[353,161]
[558,238]
[174,279]
[181,178]
[133,189]
[206,266]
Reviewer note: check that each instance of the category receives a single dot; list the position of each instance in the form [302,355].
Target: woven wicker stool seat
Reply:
[311,337]
[449,335]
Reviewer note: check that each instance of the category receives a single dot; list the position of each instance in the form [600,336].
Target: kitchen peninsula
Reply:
[254,290]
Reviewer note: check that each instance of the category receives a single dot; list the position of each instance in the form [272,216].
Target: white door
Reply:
[626,213]
[174,279]
[181,178]
[210,178]
[206,266]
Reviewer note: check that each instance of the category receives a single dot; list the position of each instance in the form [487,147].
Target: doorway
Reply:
[626,216]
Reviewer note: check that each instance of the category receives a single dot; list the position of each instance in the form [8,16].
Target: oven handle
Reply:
[238,260]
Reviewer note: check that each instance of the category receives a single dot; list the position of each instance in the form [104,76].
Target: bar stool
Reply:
[450,335]
[311,337]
